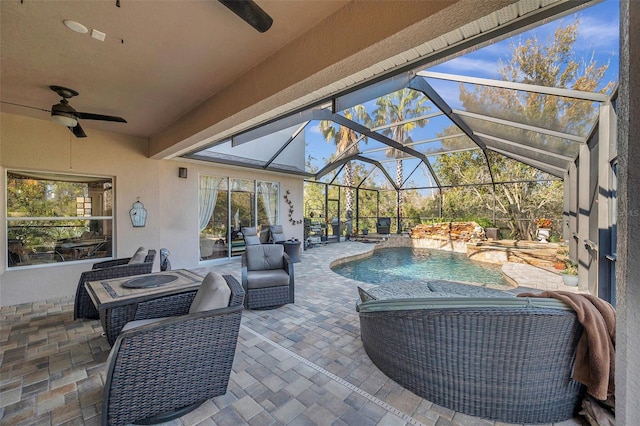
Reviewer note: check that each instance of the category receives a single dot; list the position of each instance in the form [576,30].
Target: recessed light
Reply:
[76,26]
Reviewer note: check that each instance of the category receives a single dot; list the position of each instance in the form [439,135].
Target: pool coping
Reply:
[521,277]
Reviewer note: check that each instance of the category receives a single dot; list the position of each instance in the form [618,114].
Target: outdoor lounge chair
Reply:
[267,276]
[176,358]
[383,225]
[116,268]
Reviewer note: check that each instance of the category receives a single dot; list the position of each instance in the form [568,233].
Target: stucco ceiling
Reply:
[159,59]
[185,73]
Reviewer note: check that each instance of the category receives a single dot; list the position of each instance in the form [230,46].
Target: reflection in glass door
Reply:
[226,206]
[242,210]
[214,217]
[268,194]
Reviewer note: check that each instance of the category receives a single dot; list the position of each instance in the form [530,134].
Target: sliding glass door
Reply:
[226,206]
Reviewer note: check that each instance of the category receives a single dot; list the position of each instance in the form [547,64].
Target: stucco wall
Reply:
[628,249]
[171,202]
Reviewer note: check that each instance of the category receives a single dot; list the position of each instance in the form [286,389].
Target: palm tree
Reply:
[346,144]
[397,107]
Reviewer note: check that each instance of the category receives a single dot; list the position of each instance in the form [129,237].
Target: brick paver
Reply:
[300,364]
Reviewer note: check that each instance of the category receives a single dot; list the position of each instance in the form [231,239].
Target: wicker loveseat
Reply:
[507,359]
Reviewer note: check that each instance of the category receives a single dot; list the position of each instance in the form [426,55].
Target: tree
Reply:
[346,141]
[398,107]
[549,64]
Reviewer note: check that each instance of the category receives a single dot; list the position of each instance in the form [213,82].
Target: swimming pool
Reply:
[409,264]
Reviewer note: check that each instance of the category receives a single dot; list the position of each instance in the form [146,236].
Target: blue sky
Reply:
[598,34]
[597,37]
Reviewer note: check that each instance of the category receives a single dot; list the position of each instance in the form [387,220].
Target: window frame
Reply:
[105,222]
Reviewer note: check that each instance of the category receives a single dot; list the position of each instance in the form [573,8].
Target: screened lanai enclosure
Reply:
[425,146]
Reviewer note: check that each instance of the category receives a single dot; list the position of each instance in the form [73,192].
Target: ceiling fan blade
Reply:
[90,116]
[250,12]
[25,106]
[77,131]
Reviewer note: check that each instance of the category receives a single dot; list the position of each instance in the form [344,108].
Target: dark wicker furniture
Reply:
[267,277]
[161,370]
[507,359]
[118,302]
[383,225]
[116,268]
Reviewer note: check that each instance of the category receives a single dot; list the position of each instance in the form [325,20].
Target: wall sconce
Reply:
[182,172]
[138,214]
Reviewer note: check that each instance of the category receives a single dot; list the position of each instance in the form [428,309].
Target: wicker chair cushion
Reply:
[138,256]
[460,302]
[214,293]
[267,278]
[277,233]
[251,236]
[251,240]
[265,257]
[139,323]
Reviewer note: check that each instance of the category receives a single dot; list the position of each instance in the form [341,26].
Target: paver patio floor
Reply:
[300,364]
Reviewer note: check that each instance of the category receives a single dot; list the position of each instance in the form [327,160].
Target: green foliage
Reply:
[521,193]
[42,198]
[346,141]
[536,194]
[397,107]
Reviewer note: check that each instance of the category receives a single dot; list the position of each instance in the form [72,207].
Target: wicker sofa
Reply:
[500,358]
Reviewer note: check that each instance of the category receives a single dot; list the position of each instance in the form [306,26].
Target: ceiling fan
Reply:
[250,12]
[64,114]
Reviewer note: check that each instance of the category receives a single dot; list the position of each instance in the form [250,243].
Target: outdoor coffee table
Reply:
[120,300]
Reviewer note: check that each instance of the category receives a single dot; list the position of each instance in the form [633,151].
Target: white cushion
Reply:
[214,293]
[138,256]
[251,240]
[139,323]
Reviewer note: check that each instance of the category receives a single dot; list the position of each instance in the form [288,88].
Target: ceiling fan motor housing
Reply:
[66,113]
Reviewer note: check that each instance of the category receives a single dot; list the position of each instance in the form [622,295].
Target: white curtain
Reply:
[268,193]
[208,196]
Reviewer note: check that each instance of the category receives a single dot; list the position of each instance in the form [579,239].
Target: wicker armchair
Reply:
[504,359]
[267,276]
[383,225]
[116,268]
[161,368]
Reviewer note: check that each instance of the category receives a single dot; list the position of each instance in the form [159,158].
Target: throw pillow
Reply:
[365,296]
[251,240]
[138,256]
[214,293]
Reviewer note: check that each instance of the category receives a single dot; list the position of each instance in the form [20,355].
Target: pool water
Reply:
[409,264]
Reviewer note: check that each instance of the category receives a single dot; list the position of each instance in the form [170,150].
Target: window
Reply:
[226,206]
[57,218]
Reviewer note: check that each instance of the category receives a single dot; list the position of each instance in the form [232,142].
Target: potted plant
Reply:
[562,256]
[544,229]
[570,273]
